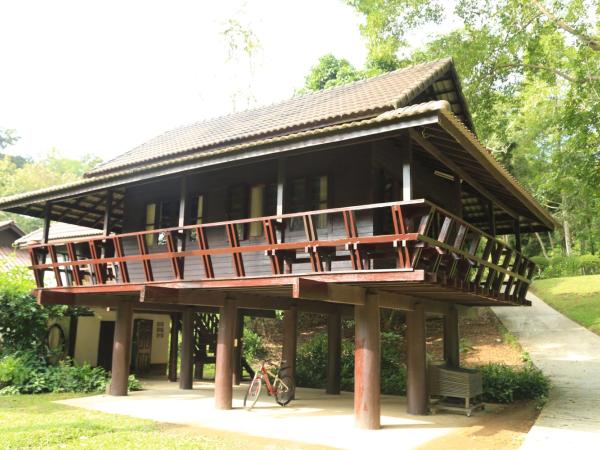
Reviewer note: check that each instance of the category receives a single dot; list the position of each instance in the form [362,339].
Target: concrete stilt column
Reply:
[416,364]
[186,373]
[121,349]
[367,366]
[238,348]
[334,352]
[174,347]
[223,369]
[288,352]
[451,338]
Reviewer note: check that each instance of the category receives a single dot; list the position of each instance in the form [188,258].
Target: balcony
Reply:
[422,251]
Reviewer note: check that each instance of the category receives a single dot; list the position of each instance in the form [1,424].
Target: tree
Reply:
[330,71]
[531,75]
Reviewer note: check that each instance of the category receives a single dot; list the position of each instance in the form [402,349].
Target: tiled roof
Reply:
[58,230]
[362,99]
[9,258]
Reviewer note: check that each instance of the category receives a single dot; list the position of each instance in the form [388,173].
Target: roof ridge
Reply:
[398,102]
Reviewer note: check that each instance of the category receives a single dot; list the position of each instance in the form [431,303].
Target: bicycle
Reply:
[282,388]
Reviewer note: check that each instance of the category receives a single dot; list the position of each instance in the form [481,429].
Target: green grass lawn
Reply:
[576,297]
[35,421]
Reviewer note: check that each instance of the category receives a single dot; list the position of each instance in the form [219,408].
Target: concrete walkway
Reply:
[570,355]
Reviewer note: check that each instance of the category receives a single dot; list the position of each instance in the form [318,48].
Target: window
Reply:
[160,330]
[238,208]
[309,194]
[160,215]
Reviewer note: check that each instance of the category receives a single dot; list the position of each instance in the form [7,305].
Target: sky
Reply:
[104,77]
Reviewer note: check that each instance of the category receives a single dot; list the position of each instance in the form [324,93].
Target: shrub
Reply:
[23,323]
[254,348]
[590,264]
[505,384]
[27,373]
[311,364]
[501,383]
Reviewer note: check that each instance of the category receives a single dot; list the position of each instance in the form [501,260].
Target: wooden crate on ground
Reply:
[457,389]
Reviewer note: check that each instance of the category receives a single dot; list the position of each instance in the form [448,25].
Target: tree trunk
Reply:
[537,235]
[566,228]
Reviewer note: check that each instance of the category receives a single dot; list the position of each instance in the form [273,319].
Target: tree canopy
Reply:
[531,74]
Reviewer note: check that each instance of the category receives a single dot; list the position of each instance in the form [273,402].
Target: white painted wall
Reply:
[88,335]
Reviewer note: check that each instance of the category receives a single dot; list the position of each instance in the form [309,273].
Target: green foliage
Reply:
[23,323]
[567,266]
[18,175]
[505,384]
[28,373]
[254,347]
[501,383]
[133,384]
[330,71]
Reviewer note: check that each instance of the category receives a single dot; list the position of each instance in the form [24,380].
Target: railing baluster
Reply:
[497,284]
[76,273]
[96,265]
[206,259]
[403,254]
[423,229]
[173,256]
[118,244]
[54,260]
[38,274]
[238,262]
[141,241]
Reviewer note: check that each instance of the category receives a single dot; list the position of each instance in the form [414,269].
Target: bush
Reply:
[505,384]
[590,264]
[23,323]
[254,348]
[311,364]
[501,383]
[567,266]
[27,373]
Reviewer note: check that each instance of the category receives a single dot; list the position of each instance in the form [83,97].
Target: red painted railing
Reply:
[418,235]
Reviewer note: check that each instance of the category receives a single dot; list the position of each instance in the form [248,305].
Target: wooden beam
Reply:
[517,235]
[174,346]
[48,298]
[451,338]
[290,341]
[393,300]
[337,293]
[430,148]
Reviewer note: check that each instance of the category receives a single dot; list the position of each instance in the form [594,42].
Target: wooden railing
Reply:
[414,235]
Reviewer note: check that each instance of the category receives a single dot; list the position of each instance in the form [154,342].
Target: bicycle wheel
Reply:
[285,390]
[253,393]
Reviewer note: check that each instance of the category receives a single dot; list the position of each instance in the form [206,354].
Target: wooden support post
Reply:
[121,349]
[451,338]
[174,346]
[47,218]
[288,351]
[181,242]
[334,352]
[416,364]
[517,235]
[407,164]
[186,375]
[366,366]
[280,195]
[106,224]
[223,366]
[238,351]
[72,335]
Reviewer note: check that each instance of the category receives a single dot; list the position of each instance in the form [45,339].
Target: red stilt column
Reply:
[173,347]
[121,349]
[224,367]
[186,373]
[367,366]
[334,352]
[451,338]
[416,365]
[288,352]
